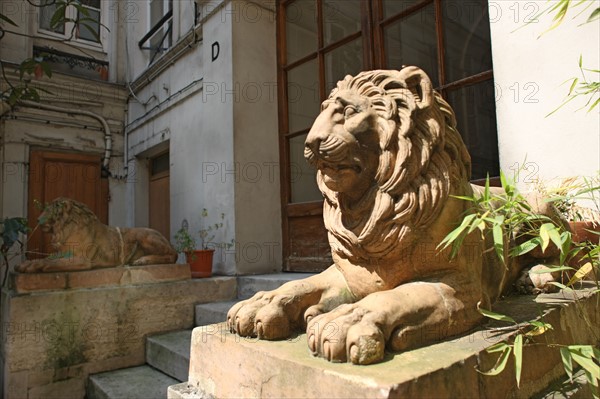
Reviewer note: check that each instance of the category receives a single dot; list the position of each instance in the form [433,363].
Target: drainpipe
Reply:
[107,133]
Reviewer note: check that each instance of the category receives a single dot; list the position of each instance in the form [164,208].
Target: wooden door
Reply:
[59,174]
[159,195]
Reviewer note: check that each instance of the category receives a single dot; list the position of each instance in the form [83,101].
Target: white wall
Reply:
[528,73]
[257,189]
[222,136]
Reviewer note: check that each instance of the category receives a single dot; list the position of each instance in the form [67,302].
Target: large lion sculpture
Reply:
[83,242]
[389,160]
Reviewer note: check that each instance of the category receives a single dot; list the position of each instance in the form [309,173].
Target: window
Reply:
[46,12]
[82,22]
[328,39]
[89,29]
[160,24]
[322,46]
[450,40]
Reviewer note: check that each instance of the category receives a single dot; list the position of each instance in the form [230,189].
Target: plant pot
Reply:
[582,232]
[200,262]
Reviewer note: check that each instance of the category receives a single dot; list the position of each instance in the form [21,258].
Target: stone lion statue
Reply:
[389,159]
[83,242]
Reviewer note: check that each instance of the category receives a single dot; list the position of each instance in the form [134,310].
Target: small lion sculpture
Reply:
[389,162]
[83,242]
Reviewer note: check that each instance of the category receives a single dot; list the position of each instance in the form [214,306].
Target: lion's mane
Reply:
[422,157]
[62,217]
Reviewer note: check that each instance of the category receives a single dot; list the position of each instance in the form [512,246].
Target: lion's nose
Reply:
[316,136]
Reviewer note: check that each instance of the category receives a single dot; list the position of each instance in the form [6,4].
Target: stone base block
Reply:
[223,365]
[114,276]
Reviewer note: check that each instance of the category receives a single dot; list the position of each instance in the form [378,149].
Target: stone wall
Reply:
[53,339]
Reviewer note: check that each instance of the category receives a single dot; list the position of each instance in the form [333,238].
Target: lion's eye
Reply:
[349,111]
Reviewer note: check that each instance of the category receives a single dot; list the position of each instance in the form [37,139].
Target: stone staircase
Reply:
[168,354]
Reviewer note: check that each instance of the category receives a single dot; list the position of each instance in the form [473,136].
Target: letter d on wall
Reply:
[215,51]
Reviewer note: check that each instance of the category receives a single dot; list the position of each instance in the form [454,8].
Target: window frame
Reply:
[373,23]
[71,14]
[166,22]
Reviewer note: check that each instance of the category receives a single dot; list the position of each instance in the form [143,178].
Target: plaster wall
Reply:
[198,130]
[529,71]
[136,16]
[219,122]
[257,188]
[28,128]
[114,15]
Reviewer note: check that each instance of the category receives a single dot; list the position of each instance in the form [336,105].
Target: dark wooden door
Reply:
[59,174]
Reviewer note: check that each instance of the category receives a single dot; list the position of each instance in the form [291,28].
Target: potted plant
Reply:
[200,260]
[509,217]
[576,198]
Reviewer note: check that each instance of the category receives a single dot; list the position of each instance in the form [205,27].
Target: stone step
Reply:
[216,312]
[249,285]
[211,313]
[170,353]
[576,388]
[142,382]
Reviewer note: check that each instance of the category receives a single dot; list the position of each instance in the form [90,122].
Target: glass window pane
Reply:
[302,176]
[160,164]
[300,29]
[156,11]
[45,17]
[344,60]
[89,28]
[467,49]
[475,109]
[393,7]
[412,41]
[303,96]
[340,19]
[91,3]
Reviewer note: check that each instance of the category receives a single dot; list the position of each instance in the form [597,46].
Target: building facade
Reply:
[70,143]
[209,102]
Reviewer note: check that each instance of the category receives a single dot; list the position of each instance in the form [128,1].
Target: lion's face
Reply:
[343,144]
[50,215]
[387,154]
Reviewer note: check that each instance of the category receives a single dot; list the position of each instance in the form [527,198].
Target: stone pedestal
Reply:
[57,328]
[112,276]
[223,365]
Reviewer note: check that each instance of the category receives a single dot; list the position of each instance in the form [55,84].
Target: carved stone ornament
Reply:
[83,242]
[389,159]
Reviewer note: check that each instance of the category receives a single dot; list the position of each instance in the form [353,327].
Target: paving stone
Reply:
[170,353]
[143,382]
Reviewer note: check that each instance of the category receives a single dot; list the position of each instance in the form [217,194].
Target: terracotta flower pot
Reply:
[200,262]
[582,232]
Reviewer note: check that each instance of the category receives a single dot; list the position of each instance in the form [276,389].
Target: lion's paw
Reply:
[266,315]
[536,281]
[349,333]
[31,266]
